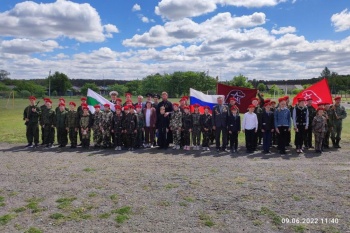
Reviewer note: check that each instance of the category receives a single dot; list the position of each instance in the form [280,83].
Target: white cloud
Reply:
[178,9]
[109,29]
[186,30]
[136,7]
[341,21]
[27,46]
[283,30]
[52,20]
[145,19]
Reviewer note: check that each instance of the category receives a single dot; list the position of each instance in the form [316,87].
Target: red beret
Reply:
[62,104]
[185,97]
[267,104]
[286,97]
[138,106]
[186,107]
[126,108]
[207,107]
[176,104]
[131,107]
[281,99]
[83,98]
[234,107]
[62,99]
[106,105]
[118,99]
[72,103]
[301,99]
[32,97]
[337,98]
[48,101]
[84,105]
[255,99]
[251,106]
[97,106]
[273,102]
[46,98]
[267,101]
[126,94]
[85,108]
[118,107]
[196,105]
[233,98]
[318,109]
[182,99]
[318,104]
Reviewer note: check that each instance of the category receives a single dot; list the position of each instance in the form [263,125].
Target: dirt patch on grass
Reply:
[64,190]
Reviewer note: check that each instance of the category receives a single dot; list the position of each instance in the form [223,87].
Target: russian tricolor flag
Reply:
[197,97]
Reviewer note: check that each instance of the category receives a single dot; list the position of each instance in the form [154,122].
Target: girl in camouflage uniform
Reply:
[96,126]
[196,129]
[319,129]
[175,125]
[85,125]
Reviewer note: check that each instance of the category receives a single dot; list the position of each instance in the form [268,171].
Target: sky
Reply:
[130,39]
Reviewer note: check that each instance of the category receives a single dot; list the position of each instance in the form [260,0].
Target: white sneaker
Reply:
[178,147]
[116,148]
[208,149]
[174,147]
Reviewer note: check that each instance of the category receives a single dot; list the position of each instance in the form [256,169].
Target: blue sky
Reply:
[261,39]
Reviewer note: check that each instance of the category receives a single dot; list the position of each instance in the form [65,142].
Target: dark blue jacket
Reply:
[220,118]
[267,121]
[234,123]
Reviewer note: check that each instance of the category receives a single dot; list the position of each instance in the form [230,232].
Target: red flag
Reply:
[319,92]
[243,95]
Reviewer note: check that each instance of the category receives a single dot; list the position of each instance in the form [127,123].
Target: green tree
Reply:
[154,84]
[121,89]
[296,91]
[134,87]
[3,87]
[275,90]
[326,73]
[261,87]
[4,75]
[240,81]
[305,86]
[60,83]
[92,86]
[30,86]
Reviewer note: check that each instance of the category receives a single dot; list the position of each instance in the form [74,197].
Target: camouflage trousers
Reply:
[49,134]
[97,136]
[337,128]
[176,137]
[106,138]
[85,138]
[318,140]
[73,136]
[196,135]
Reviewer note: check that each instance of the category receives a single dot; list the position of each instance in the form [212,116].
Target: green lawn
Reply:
[12,128]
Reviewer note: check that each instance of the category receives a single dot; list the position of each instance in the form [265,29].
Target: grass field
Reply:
[12,128]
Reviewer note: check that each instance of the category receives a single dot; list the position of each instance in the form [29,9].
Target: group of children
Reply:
[132,126]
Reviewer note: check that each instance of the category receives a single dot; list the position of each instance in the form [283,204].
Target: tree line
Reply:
[176,84]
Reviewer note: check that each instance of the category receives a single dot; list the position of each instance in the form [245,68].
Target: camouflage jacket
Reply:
[339,112]
[61,118]
[72,119]
[187,122]
[117,123]
[33,117]
[319,124]
[85,121]
[48,117]
[312,113]
[140,120]
[196,119]
[176,119]
[97,119]
[130,122]
[107,118]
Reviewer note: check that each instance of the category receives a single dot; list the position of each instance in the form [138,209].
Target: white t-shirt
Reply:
[148,117]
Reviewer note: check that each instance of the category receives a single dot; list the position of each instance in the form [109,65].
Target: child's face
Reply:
[71,107]
[176,108]
[268,108]
[186,111]
[118,111]
[86,111]
[62,108]
[126,111]
[162,111]
[320,112]
[302,103]
[97,109]
[138,110]
[251,110]
[196,109]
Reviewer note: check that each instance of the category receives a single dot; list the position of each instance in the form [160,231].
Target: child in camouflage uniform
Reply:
[117,127]
[196,129]
[319,128]
[48,122]
[206,125]
[85,128]
[97,126]
[186,127]
[175,125]
[61,117]
[130,127]
[140,127]
[106,124]
[72,125]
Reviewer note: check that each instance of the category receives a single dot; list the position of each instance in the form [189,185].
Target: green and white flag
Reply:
[95,99]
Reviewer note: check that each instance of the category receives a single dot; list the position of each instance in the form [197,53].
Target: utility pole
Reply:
[49,84]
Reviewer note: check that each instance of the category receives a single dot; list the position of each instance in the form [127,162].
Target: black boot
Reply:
[334,143]
[337,142]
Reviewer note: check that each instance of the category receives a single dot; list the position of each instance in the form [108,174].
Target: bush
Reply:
[24,94]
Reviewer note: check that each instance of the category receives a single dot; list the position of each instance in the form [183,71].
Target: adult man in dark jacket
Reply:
[220,116]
